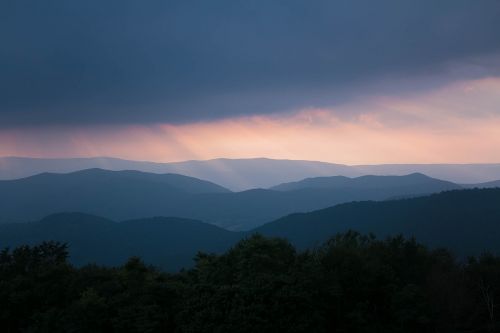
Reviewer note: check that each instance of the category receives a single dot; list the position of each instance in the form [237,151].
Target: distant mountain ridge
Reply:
[415,183]
[244,174]
[492,184]
[174,181]
[121,195]
[465,221]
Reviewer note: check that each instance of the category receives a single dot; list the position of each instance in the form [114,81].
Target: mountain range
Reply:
[244,174]
[465,221]
[123,195]
[415,183]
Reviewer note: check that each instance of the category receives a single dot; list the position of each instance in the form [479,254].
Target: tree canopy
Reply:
[351,283]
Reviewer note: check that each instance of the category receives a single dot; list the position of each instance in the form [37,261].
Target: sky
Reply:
[354,82]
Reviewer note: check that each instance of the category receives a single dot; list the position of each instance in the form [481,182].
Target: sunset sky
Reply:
[354,82]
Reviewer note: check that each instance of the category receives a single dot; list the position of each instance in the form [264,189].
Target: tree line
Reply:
[351,283]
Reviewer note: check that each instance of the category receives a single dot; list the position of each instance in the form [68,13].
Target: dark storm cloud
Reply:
[178,61]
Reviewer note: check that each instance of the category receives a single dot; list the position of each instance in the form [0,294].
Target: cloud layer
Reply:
[178,62]
[458,123]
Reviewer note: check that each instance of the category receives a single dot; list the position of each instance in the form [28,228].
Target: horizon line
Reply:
[238,159]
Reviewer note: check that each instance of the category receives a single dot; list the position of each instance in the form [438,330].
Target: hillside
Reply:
[121,195]
[169,243]
[466,221]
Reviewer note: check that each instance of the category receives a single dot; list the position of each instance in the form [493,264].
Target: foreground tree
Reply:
[352,283]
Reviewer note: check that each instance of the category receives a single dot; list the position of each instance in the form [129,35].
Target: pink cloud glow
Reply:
[459,123]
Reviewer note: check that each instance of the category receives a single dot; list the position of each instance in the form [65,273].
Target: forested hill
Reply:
[169,243]
[465,221]
[123,195]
